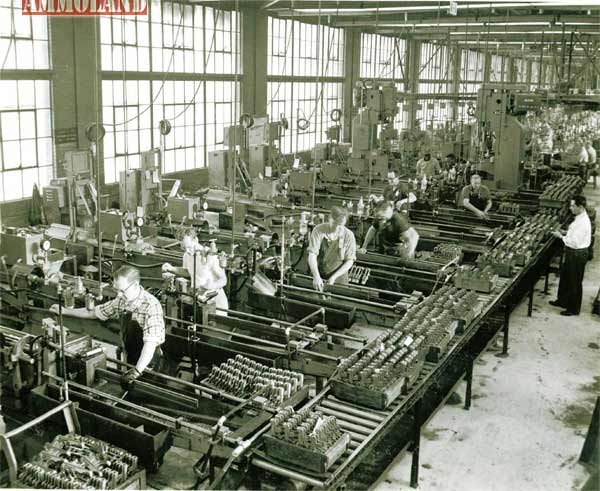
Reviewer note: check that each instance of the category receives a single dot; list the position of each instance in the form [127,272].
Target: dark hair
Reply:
[580,200]
[451,156]
[383,206]
[128,272]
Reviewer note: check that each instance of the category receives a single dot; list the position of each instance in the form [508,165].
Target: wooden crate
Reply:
[137,481]
[412,374]
[303,457]
[551,203]
[437,349]
[478,285]
[375,399]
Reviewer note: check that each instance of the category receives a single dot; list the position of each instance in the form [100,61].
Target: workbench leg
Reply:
[531,292]
[547,279]
[505,330]
[319,383]
[469,380]
[416,445]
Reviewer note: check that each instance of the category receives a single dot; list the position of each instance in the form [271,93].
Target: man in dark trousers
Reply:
[577,241]
[142,322]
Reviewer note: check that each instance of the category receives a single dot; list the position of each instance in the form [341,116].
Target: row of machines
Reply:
[239,391]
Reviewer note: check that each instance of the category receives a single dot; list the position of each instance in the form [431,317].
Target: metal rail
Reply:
[366,426]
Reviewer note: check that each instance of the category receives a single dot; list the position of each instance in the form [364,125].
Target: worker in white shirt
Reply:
[583,159]
[204,270]
[428,167]
[577,241]
[592,161]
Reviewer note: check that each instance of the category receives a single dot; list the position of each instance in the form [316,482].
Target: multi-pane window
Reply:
[520,70]
[432,112]
[26,145]
[434,62]
[296,100]
[472,64]
[382,57]
[535,73]
[497,68]
[26,151]
[197,110]
[297,49]
[23,38]
[174,38]
[471,72]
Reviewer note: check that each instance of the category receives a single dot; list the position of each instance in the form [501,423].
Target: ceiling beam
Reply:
[463,21]
[412,9]
[492,37]
[583,29]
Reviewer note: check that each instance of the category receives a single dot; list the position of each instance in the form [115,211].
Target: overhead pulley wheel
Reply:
[303,124]
[246,120]
[94,132]
[164,127]
[335,115]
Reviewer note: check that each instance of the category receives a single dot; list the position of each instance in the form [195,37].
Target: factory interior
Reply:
[300,245]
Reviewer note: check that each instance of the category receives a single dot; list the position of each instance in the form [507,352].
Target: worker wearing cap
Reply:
[427,167]
[331,250]
[476,197]
[142,322]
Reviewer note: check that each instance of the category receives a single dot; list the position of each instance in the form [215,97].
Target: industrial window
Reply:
[431,112]
[298,49]
[26,150]
[520,70]
[24,35]
[296,100]
[471,71]
[26,145]
[174,37]
[434,62]
[535,72]
[301,49]
[132,111]
[498,70]
[382,57]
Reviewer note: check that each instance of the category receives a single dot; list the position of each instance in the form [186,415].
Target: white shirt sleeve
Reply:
[579,233]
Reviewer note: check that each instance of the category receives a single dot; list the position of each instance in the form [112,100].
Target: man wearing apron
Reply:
[476,197]
[204,270]
[142,322]
[331,250]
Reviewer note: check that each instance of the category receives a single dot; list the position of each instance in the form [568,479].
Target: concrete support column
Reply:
[487,66]
[413,54]
[512,74]
[77,83]
[528,74]
[254,61]
[352,49]
[455,64]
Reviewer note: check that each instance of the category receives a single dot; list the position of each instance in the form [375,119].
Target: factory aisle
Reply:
[530,411]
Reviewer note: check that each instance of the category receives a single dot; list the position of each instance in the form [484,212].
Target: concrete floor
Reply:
[530,411]
[528,417]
